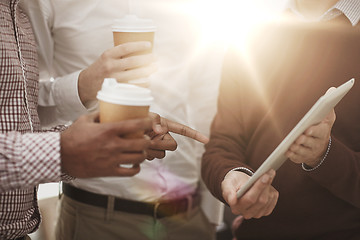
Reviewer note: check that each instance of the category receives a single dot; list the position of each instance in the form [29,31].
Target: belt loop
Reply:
[156,207]
[189,199]
[110,207]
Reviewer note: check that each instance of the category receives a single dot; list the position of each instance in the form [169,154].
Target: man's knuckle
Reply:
[235,211]
[105,55]
[183,131]
[249,200]
[124,145]
[262,200]
[247,215]
[107,68]
[126,49]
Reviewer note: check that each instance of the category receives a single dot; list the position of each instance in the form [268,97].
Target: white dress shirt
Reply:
[72,34]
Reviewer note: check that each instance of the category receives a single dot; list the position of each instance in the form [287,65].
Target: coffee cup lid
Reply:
[132,23]
[124,94]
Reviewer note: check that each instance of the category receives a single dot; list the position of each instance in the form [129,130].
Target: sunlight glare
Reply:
[228,21]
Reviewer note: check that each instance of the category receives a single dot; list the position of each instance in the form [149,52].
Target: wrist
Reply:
[86,88]
[81,92]
[312,167]
[314,163]
[244,170]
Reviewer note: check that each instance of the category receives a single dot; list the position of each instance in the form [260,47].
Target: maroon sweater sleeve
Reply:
[340,173]
[227,146]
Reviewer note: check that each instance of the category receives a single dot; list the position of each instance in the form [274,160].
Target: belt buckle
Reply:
[156,207]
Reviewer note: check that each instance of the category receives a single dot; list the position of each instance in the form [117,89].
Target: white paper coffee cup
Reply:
[122,101]
[131,28]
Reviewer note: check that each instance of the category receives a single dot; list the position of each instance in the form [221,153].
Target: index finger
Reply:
[322,129]
[130,47]
[186,131]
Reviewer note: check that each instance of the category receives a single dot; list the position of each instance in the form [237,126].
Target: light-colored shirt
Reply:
[73,34]
[350,8]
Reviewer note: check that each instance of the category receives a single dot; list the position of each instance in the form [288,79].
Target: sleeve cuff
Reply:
[66,96]
[41,160]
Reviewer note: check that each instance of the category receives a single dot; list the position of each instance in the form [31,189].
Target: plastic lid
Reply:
[131,23]
[124,94]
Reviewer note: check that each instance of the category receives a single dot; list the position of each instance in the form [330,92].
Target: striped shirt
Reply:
[27,157]
[350,8]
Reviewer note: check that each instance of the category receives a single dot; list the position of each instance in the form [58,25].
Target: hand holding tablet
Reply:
[315,115]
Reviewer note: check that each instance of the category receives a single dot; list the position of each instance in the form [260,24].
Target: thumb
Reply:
[158,125]
[229,192]
[330,90]
[231,198]
[330,117]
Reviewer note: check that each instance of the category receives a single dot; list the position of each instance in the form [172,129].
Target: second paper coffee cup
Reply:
[131,28]
[121,101]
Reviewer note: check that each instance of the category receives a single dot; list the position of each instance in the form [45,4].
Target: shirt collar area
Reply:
[350,8]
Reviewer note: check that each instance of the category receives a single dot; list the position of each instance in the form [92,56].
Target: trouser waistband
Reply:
[155,209]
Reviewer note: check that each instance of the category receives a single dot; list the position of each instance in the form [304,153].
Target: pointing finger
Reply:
[186,131]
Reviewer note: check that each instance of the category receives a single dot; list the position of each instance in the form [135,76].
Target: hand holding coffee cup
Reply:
[131,28]
[121,101]
[114,63]
[89,149]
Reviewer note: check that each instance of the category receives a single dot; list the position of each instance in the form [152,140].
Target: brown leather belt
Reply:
[157,209]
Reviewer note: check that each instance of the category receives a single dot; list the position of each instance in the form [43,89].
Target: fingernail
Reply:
[158,128]
[265,178]
[126,165]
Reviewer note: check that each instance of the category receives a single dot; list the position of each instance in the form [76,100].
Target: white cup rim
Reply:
[127,30]
[127,102]
[124,94]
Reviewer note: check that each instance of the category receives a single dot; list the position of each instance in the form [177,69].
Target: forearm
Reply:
[59,101]
[27,160]
[340,173]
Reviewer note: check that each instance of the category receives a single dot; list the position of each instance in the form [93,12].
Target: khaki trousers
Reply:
[78,221]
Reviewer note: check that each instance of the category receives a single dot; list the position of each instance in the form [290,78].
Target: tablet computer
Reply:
[315,115]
